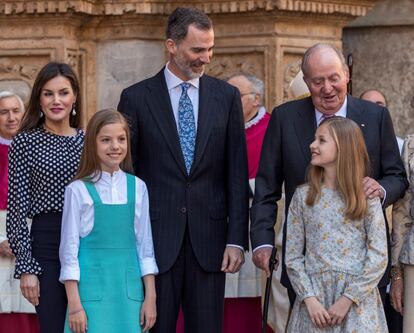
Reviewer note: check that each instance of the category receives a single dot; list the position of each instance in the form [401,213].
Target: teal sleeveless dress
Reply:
[110,285]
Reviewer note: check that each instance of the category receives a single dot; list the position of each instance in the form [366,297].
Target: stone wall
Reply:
[382,44]
[113,44]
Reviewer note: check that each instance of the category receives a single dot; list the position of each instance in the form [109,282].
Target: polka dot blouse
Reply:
[41,164]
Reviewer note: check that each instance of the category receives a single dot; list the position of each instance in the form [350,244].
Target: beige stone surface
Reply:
[123,63]
[382,45]
[114,43]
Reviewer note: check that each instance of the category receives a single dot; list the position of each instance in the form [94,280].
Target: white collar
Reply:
[340,113]
[260,114]
[5,142]
[174,81]
[107,178]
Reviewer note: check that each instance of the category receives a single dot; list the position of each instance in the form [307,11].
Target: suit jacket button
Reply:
[188,184]
[183,210]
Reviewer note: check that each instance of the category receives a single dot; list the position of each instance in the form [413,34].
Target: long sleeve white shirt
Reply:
[78,221]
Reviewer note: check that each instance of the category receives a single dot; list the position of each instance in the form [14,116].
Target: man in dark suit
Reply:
[188,145]
[286,154]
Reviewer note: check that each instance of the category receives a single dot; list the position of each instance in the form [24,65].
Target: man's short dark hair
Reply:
[181,18]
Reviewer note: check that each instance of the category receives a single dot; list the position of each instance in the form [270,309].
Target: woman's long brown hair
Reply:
[352,165]
[90,165]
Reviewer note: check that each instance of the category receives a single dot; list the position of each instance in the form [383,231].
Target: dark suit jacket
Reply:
[211,202]
[286,155]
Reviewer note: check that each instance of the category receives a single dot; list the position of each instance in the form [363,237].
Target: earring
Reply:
[73,110]
[41,114]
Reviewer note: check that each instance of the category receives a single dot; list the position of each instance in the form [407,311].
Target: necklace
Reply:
[51,130]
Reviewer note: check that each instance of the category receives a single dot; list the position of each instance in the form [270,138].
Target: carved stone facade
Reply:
[112,44]
[382,44]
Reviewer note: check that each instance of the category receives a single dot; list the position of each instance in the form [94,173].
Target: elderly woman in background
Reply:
[16,313]
[402,272]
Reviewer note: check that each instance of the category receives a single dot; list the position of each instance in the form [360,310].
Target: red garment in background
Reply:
[19,323]
[254,139]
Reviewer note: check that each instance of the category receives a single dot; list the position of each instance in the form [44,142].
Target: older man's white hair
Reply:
[317,47]
[8,94]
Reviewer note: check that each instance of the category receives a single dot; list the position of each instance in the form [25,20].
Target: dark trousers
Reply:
[45,236]
[200,294]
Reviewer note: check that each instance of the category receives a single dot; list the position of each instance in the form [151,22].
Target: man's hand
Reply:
[29,285]
[5,250]
[372,188]
[233,258]
[397,295]
[261,259]
[339,310]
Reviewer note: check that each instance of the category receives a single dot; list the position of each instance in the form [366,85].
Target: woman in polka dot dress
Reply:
[43,158]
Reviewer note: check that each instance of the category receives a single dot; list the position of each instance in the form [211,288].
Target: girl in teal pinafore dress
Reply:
[106,244]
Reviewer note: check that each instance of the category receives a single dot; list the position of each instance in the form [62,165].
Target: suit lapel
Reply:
[305,127]
[356,114]
[207,106]
[158,101]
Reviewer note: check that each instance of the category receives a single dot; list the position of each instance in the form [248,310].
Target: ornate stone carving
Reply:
[72,57]
[226,64]
[11,68]
[291,70]
[113,7]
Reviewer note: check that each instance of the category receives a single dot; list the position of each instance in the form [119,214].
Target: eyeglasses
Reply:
[248,93]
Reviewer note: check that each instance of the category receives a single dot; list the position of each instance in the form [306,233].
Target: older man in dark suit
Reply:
[188,145]
[286,154]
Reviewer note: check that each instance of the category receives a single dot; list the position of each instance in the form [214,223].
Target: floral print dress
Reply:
[328,256]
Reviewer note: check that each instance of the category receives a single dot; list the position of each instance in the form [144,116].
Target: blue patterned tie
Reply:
[186,126]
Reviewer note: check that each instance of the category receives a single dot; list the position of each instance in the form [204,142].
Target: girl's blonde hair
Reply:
[352,165]
[90,165]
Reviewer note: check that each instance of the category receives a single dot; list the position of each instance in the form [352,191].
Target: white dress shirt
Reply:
[175,90]
[78,221]
[340,113]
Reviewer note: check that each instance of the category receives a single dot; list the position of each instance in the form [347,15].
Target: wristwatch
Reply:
[396,273]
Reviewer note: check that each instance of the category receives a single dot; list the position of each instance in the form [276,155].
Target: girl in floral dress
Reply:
[336,250]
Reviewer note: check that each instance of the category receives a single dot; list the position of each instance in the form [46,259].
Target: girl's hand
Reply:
[29,285]
[339,310]
[396,294]
[148,313]
[318,314]
[78,322]
[5,250]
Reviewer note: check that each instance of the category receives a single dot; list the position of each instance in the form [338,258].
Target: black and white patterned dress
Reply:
[41,164]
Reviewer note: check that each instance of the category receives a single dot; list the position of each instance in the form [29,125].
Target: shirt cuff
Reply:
[352,298]
[69,273]
[234,245]
[385,195]
[261,246]
[2,238]
[148,266]
[302,297]
[26,265]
